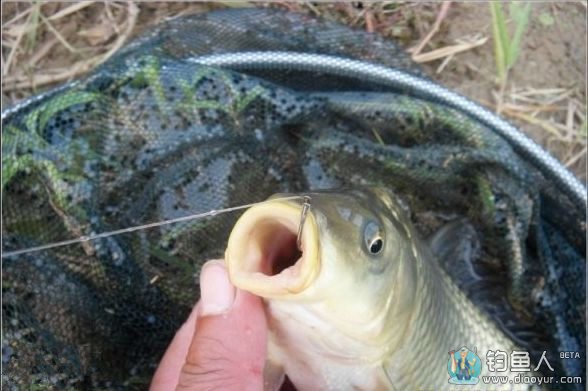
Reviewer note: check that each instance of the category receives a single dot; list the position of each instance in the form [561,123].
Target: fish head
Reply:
[355,268]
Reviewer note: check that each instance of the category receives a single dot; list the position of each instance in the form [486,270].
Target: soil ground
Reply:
[552,57]
[47,43]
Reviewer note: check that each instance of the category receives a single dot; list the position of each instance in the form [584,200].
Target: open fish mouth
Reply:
[263,256]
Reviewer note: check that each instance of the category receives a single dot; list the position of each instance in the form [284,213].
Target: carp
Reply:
[361,303]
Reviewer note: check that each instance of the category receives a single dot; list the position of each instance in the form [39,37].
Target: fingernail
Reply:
[217,294]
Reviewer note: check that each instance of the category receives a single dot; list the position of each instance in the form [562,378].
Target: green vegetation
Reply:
[33,25]
[18,146]
[546,19]
[239,101]
[486,196]
[165,256]
[507,48]
[151,72]
[37,119]
[189,102]
[55,167]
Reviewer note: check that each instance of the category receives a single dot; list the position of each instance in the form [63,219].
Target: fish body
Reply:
[364,304]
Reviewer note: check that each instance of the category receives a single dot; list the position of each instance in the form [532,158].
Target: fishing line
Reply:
[210,213]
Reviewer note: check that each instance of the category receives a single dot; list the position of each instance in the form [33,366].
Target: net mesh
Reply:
[151,136]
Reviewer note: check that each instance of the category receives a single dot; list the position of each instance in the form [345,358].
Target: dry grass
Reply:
[27,75]
[48,43]
[559,112]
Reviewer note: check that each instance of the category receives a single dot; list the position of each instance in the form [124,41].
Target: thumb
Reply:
[229,347]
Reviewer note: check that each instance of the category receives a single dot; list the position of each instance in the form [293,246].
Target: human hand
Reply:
[222,345]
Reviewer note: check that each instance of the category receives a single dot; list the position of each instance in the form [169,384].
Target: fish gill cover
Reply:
[152,135]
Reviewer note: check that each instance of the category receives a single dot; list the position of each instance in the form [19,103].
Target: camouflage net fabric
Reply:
[151,136]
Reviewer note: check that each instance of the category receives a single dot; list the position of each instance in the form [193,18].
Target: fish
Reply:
[362,303]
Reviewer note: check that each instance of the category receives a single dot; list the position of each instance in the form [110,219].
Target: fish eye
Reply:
[373,238]
[376,245]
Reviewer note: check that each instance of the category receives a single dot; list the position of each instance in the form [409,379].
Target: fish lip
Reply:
[246,250]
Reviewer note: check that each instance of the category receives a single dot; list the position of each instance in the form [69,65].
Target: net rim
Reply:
[396,78]
[342,66]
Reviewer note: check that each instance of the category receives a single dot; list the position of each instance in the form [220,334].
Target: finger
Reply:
[229,348]
[168,372]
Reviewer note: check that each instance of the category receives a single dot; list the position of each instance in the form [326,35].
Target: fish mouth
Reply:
[263,256]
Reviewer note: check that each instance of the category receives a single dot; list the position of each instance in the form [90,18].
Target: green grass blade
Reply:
[501,41]
[37,119]
[242,102]
[11,165]
[520,15]
[33,26]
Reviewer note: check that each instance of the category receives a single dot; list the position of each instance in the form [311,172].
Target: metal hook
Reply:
[305,209]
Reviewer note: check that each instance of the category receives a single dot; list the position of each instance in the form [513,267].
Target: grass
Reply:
[33,25]
[559,113]
[42,45]
[506,47]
